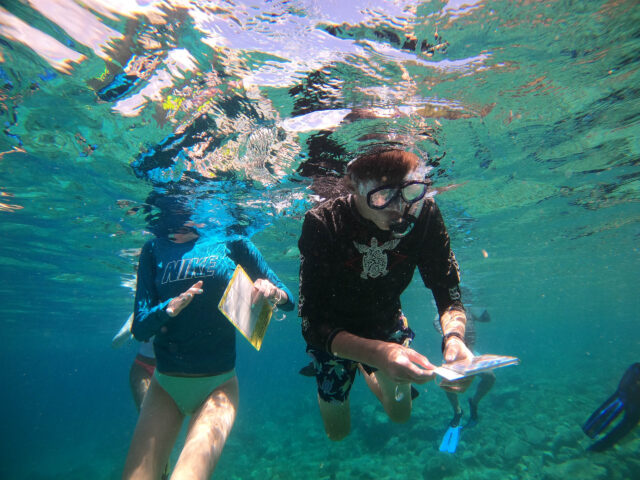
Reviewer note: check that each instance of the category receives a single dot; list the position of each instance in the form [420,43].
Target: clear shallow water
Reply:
[535,105]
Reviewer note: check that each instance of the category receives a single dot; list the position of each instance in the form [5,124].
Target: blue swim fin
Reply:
[625,399]
[450,440]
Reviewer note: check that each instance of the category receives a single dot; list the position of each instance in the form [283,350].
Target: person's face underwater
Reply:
[389,204]
[183,234]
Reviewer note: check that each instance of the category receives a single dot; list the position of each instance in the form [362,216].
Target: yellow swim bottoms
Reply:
[190,392]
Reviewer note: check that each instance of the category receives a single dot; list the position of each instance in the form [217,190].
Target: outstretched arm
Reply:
[401,364]
[179,303]
[150,314]
[453,324]
[440,273]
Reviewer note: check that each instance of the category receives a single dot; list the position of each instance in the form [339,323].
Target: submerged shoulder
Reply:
[240,242]
[430,205]
[430,211]
[330,212]
[150,245]
[242,245]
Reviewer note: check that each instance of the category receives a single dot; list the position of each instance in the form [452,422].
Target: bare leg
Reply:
[398,410]
[208,431]
[395,398]
[487,379]
[455,404]
[336,418]
[372,382]
[157,429]
[453,400]
[139,381]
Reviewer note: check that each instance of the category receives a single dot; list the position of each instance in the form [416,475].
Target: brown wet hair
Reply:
[387,165]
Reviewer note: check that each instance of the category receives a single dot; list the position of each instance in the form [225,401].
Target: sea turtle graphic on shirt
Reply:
[374,260]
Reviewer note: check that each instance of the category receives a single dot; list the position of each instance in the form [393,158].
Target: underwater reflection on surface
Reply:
[526,114]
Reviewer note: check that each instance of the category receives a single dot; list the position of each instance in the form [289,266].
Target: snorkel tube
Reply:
[403,226]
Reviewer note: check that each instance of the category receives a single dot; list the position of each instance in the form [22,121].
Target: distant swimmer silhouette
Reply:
[627,399]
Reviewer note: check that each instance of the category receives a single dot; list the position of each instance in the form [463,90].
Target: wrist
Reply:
[448,336]
[359,349]
[281,297]
[453,320]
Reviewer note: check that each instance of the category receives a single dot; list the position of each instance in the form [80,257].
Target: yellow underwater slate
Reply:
[235,304]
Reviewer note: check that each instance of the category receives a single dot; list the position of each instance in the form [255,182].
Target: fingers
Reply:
[421,375]
[456,350]
[414,375]
[195,289]
[415,368]
[420,359]
[452,352]
[265,289]
[181,301]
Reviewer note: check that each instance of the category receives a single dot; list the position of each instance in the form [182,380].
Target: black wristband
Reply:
[449,335]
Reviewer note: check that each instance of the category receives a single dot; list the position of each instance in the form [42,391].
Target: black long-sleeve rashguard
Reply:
[352,273]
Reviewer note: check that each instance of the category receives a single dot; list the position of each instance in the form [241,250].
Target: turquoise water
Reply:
[535,107]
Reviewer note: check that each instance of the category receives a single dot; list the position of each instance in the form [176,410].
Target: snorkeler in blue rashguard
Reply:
[181,278]
[625,399]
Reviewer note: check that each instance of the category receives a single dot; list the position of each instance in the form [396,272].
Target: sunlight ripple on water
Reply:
[526,113]
[253,109]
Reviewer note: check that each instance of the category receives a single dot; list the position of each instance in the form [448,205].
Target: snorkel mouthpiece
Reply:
[400,227]
[404,225]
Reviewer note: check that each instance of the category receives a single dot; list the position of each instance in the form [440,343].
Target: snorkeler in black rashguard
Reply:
[359,271]
[358,254]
